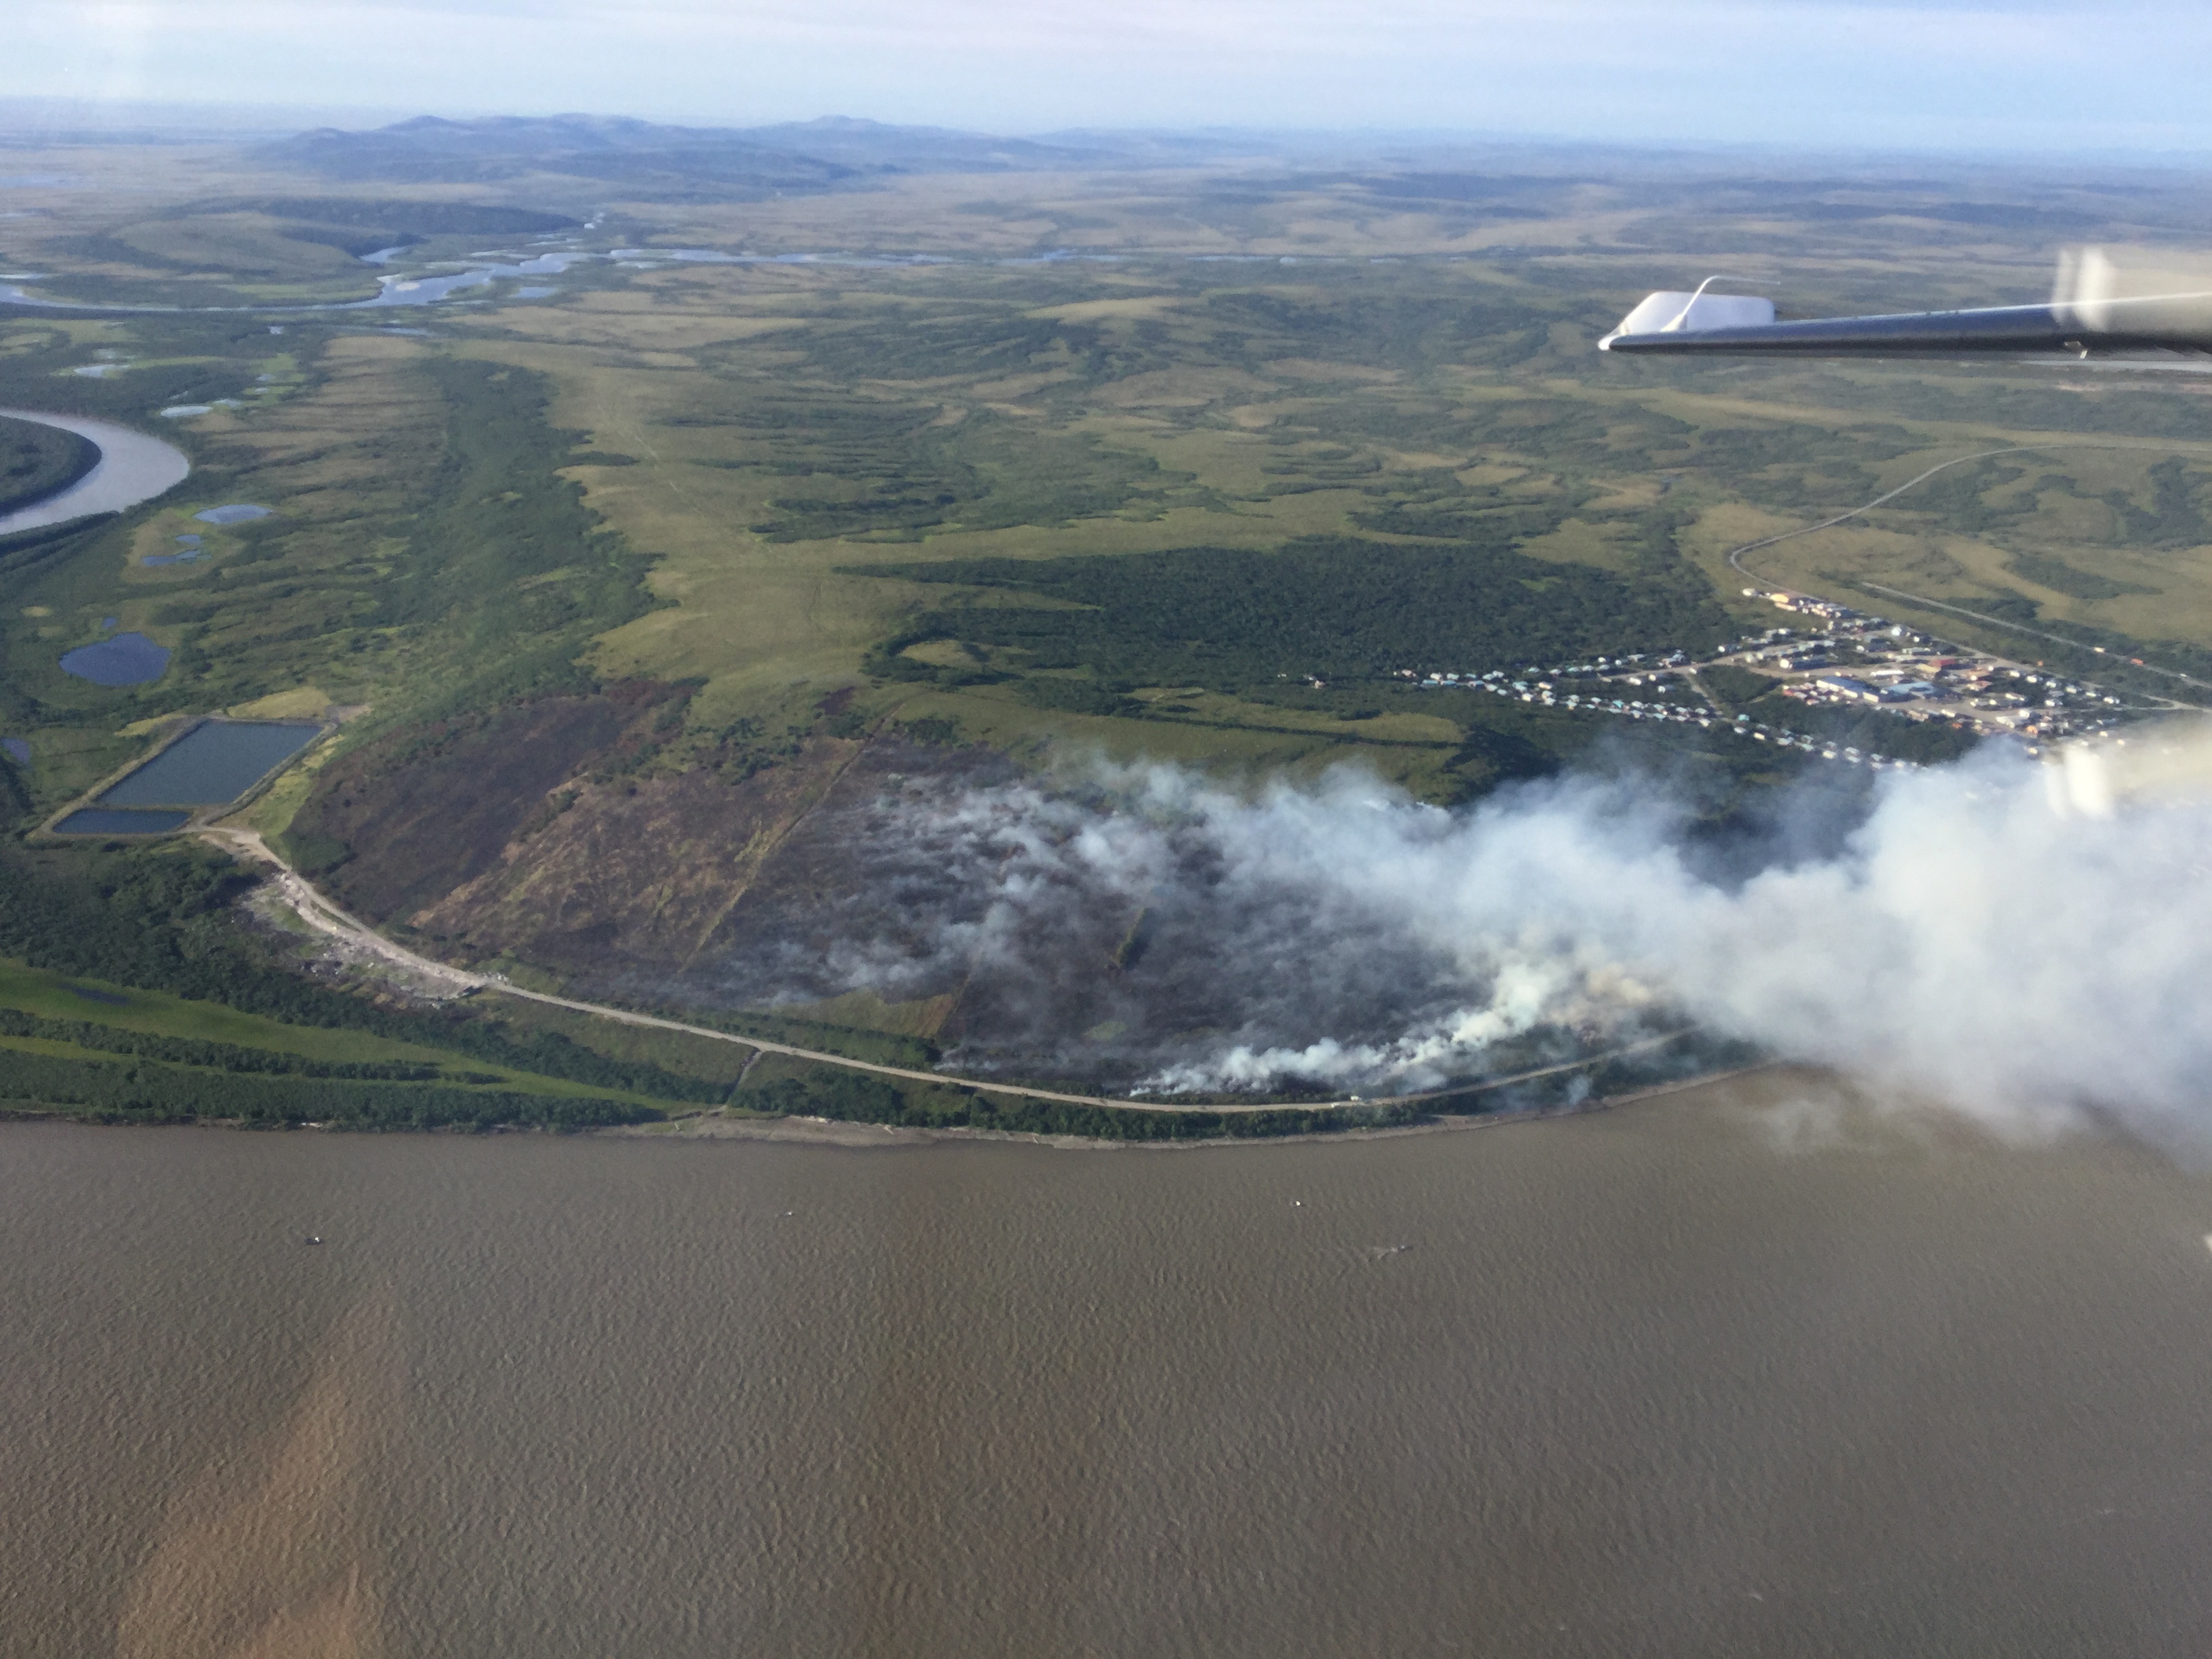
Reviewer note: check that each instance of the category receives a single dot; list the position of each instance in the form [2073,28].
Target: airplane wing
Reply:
[2090,317]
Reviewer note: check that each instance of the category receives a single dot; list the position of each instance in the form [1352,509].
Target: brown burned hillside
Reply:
[642,887]
[398,824]
[542,831]
[630,879]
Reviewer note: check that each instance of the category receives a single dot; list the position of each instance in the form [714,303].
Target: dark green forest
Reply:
[36,460]
[1321,606]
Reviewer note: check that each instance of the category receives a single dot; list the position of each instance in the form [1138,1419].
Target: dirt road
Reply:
[318,913]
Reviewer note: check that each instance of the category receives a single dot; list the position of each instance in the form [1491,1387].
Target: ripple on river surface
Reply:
[1729,1373]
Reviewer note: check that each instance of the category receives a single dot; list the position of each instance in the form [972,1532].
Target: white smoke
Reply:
[1972,940]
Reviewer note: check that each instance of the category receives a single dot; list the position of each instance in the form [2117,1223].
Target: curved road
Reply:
[318,913]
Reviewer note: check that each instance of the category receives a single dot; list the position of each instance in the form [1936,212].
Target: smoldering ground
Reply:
[2025,948]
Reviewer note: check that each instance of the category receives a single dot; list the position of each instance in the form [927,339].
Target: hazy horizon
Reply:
[28,122]
[2005,76]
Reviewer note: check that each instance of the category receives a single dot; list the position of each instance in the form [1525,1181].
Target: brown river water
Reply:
[1719,1373]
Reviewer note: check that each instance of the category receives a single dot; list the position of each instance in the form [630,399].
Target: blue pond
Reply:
[188,549]
[216,762]
[101,821]
[237,513]
[126,660]
[114,999]
[17,750]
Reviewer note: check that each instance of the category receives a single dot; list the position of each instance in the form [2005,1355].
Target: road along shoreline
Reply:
[320,914]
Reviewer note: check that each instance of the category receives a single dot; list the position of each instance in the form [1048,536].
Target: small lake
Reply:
[216,762]
[126,660]
[237,513]
[17,750]
[106,821]
[189,549]
[133,467]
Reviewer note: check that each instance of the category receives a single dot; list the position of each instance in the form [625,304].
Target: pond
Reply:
[133,468]
[237,513]
[215,763]
[17,750]
[126,660]
[105,820]
[188,550]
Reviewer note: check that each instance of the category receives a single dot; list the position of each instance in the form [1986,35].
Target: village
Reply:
[1843,658]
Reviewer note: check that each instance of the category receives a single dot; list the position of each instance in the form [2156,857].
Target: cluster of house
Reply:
[1548,687]
[1854,658]
[1888,663]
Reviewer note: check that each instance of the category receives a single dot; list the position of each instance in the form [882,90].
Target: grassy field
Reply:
[619,586]
[65,1001]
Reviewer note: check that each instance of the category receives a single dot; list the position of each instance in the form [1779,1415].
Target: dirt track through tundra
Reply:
[320,914]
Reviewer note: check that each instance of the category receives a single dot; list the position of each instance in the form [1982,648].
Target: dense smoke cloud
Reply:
[2023,953]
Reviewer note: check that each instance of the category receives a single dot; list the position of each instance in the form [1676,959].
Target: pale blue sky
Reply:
[2047,75]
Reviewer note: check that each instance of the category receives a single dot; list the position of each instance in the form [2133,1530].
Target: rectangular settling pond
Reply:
[215,763]
[100,820]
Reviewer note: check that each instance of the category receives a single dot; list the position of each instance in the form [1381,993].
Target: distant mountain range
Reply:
[660,162]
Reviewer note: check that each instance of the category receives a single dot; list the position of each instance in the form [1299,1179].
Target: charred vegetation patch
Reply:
[400,823]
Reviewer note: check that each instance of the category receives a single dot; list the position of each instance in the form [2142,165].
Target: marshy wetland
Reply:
[895,617]
[649,590]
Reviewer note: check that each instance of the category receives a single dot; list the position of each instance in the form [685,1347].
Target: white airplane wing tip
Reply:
[1671,312]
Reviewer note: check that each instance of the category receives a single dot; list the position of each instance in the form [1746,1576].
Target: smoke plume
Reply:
[2026,942]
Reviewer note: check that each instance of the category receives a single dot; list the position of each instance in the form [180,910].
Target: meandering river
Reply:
[133,467]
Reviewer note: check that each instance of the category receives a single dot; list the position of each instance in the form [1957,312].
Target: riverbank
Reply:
[835,1132]
[133,467]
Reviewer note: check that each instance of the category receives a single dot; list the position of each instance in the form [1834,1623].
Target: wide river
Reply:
[133,467]
[1721,1373]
